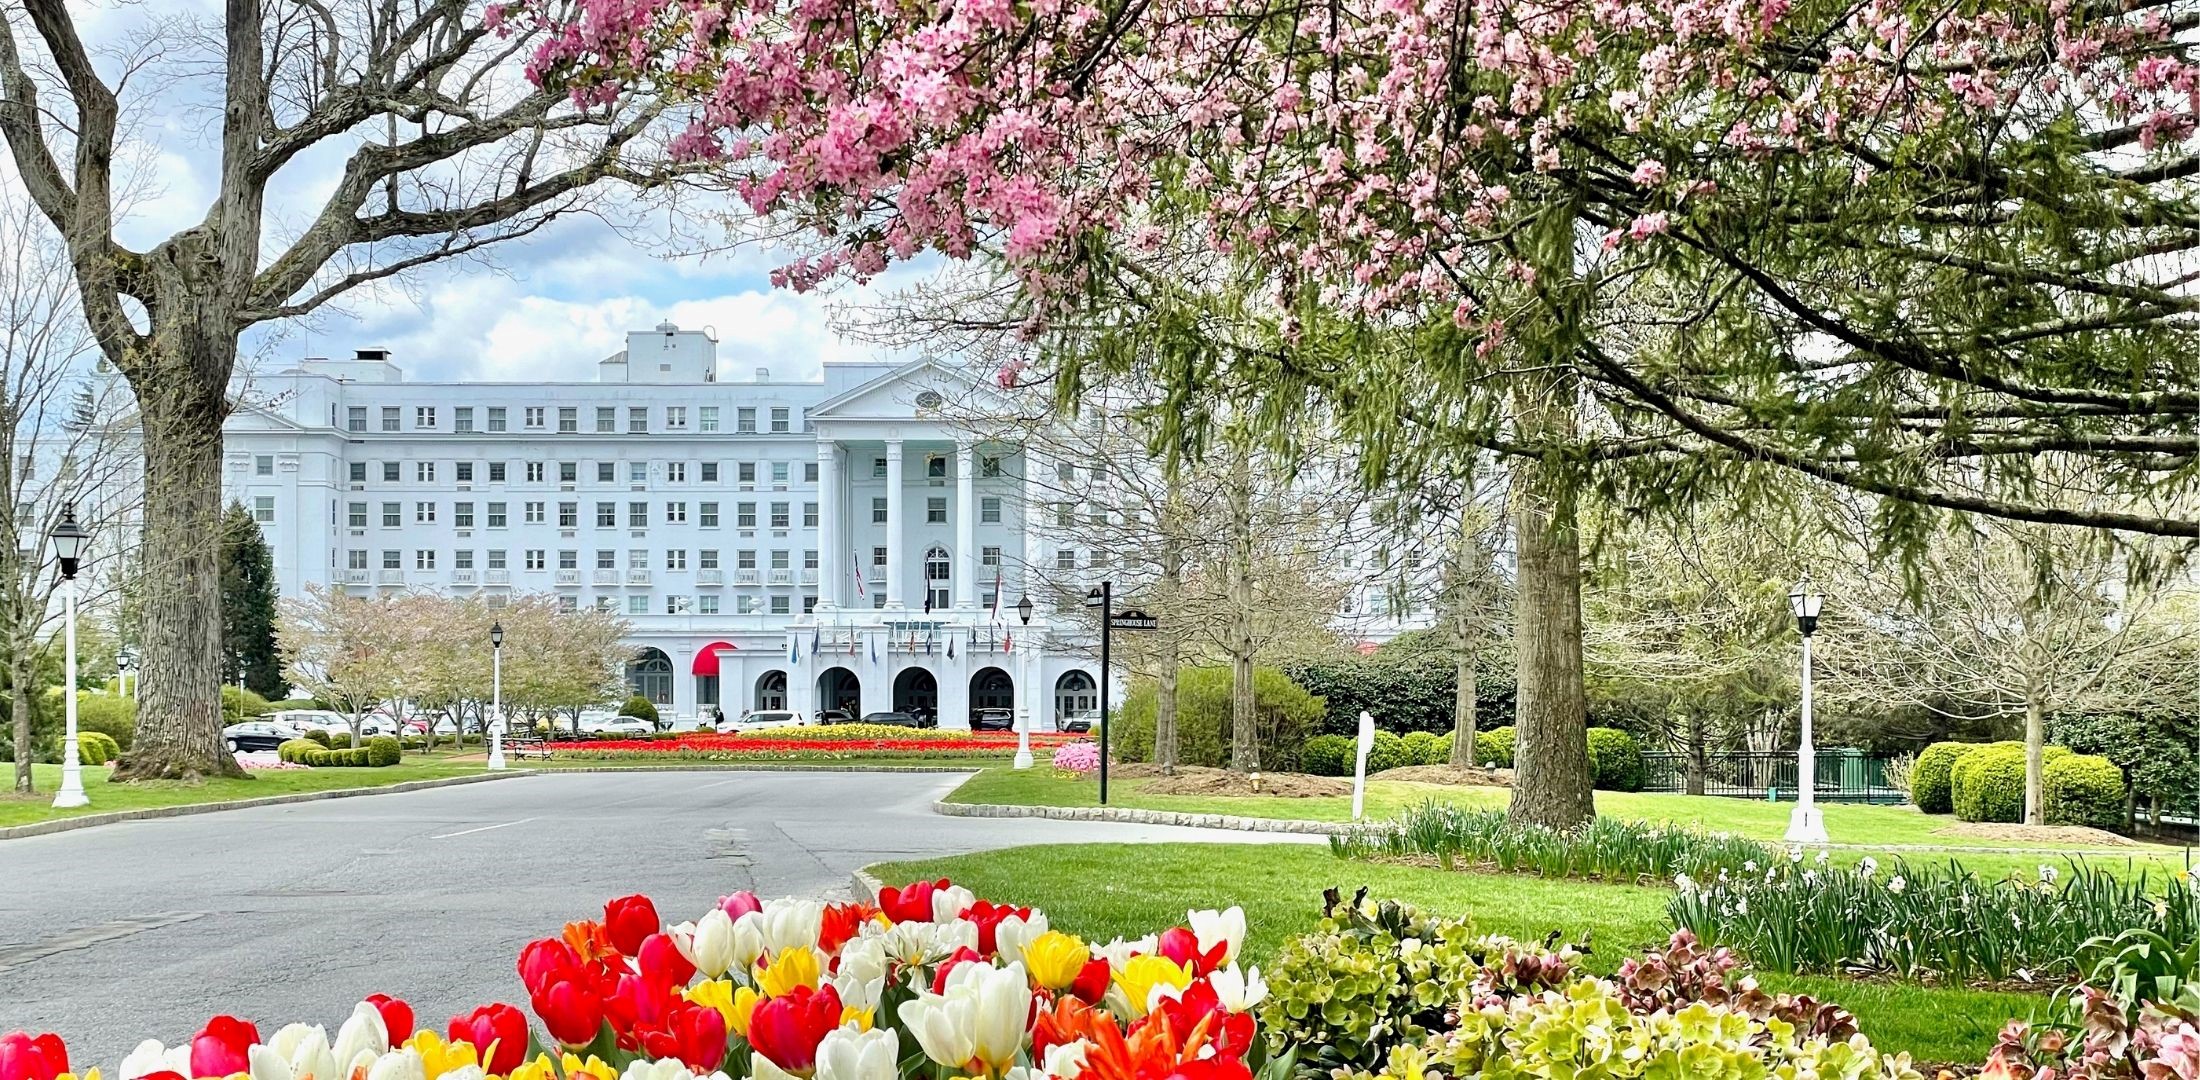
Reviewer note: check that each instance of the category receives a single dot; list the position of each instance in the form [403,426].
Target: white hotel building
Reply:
[805,545]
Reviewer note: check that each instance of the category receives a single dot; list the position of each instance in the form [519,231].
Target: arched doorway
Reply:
[916,691]
[937,568]
[991,688]
[1075,693]
[649,674]
[838,688]
[771,690]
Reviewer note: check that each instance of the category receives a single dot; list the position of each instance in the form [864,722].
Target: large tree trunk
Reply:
[1463,706]
[1244,749]
[1696,751]
[181,394]
[1164,723]
[1552,784]
[19,703]
[2035,753]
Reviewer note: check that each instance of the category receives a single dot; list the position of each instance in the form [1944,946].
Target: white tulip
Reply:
[363,1035]
[747,944]
[1065,1061]
[791,923]
[849,1055]
[1015,932]
[919,943]
[404,1064]
[304,1047]
[760,1068]
[673,1069]
[1119,952]
[948,903]
[1238,991]
[861,977]
[981,1016]
[1214,928]
[465,1072]
[151,1057]
[266,1064]
[708,943]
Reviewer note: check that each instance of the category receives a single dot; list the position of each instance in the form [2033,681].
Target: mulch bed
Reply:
[1467,776]
[2049,834]
[1201,780]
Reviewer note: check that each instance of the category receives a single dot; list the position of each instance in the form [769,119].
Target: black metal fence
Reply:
[1850,776]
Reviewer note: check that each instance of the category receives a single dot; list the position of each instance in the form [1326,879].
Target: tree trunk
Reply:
[19,702]
[2035,752]
[1463,704]
[1552,784]
[181,394]
[1164,722]
[1172,648]
[1244,749]
[1696,751]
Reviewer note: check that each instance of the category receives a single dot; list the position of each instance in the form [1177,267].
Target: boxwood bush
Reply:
[96,747]
[1327,755]
[2083,789]
[1987,784]
[1494,747]
[1929,776]
[384,751]
[1616,759]
[1388,752]
[318,737]
[639,708]
[296,751]
[1427,748]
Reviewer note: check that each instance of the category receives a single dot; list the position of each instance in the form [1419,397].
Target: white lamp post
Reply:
[1023,714]
[496,695]
[1806,825]
[68,547]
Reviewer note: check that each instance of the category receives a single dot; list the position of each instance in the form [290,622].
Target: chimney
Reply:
[763,374]
[372,355]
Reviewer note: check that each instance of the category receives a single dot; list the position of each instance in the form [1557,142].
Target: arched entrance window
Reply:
[917,692]
[650,675]
[771,690]
[1075,694]
[991,688]
[937,568]
[838,688]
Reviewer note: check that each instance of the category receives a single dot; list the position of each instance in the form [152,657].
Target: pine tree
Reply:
[248,607]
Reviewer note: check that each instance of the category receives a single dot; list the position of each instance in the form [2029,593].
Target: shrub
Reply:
[1427,748]
[1406,686]
[298,751]
[2083,789]
[1987,784]
[1283,714]
[339,740]
[241,704]
[1327,755]
[383,751]
[95,748]
[1610,849]
[318,736]
[111,715]
[1617,760]
[1388,752]
[1494,746]
[1929,776]
[639,708]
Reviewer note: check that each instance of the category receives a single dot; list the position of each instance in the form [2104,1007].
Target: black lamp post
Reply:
[1023,715]
[1807,825]
[496,695]
[1104,599]
[69,539]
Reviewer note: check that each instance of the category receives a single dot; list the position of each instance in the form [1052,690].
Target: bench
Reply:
[521,745]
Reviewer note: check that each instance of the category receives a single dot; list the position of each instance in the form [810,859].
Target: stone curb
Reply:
[866,885]
[751,766]
[86,821]
[1141,817]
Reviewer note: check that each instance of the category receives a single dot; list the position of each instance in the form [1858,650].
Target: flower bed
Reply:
[1609,849]
[827,743]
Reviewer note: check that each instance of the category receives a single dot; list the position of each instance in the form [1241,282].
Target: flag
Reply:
[950,648]
[1008,644]
[874,651]
[996,594]
[813,643]
[855,566]
[793,655]
[927,644]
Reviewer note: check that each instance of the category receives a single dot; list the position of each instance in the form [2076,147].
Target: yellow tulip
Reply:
[855,1016]
[439,1057]
[538,1069]
[89,1074]
[595,1068]
[735,1004]
[1142,974]
[1054,959]
[792,968]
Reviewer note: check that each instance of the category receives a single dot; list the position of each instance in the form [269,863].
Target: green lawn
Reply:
[21,810]
[1106,890]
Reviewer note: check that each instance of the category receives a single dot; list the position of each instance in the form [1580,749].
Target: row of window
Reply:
[497,514]
[569,472]
[703,604]
[496,418]
[937,565]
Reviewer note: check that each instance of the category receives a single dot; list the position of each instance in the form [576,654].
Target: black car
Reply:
[992,720]
[896,719]
[835,716]
[255,735]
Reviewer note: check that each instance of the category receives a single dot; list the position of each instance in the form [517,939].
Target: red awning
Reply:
[706,658]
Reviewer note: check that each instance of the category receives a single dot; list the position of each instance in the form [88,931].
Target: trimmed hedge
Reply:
[1616,759]
[383,751]
[111,715]
[1987,784]
[294,751]
[1327,755]
[639,708]
[1494,746]
[2083,789]
[96,747]
[1388,752]
[1283,715]
[1930,781]
[1428,748]
[319,738]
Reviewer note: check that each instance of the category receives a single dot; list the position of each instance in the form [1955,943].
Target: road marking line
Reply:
[484,828]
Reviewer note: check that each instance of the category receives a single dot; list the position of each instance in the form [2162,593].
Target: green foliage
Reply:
[384,751]
[1406,687]
[1428,748]
[2083,789]
[1930,780]
[239,704]
[338,740]
[1327,755]
[111,715]
[1609,849]
[1283,713]
[317,736]
[96,747]
[2154,749]
[248,606]
[298,751]
[1388,752]
[639,708]
[2141,967]
[355,758]
[1987,782]
[1494,747]
[1616,758]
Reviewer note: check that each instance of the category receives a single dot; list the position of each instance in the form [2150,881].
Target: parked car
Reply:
[624,727]
[835,716]
[764,720]
[311,720]
[256,735]
[1077,723]
[443,726]
[895,719]
[993,720]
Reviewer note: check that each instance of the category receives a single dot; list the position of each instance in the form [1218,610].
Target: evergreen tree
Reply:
[248,607]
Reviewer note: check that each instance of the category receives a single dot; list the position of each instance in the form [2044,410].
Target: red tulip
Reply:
[396,1016]
[499,1034]
[788,1028]
[961,956]
[1219,1067]
[571,1010]
[739,904]
[223,1047]
[841,924]
[1231,1034]
[1091,983]
[1182,946]
[545,961]
[24,1057]
[911,904]
[630,920]
[661,962]
[636,1003]
[694,1034]
[988,916]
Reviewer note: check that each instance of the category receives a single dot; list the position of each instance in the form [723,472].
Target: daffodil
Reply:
[732,1002]
[438,1056]
[1140,976]
[789,969]
[1055,958]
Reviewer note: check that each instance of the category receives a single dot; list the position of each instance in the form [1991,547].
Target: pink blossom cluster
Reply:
[2103,1043]
[1077,758]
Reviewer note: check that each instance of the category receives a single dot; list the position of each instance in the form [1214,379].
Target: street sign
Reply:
[1133,619]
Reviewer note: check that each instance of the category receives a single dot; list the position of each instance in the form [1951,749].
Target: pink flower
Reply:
[1650,172]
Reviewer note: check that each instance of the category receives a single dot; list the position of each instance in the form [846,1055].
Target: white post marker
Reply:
[496,744]
[1359,763]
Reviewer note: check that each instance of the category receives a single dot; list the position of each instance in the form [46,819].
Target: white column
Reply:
[895,534]
[966,528]
[72,766]
[829,541]
[1032,522]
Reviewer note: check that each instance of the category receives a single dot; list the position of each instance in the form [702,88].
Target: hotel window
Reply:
[878,599]
[393,515]
[607,559]
[989,466]
[1065,560]
[708,512]
[744,516]
[706,559]
[1063,470]
[676,605]
[569,560]
[358,472]
[263,509]
[424,513]
[607,472]
[393,560]
[569,602]
[465,472]
[744,560]
[779,515]
[569,419]
[676,513]
[878,468]
[706,604]
[462,515]
[607,604]
[569,472]
[496,515]
[607,419]
[779,419]
[534,559]
[779,472]
[607,515]
[496,418]
[935,466]
[744,421]
[809,560]
[781,605]
[637,605]
[878,510]
[424,417]
[1098,517]
[462,418]
[779,560]
[534,417]
[533,512]
[1099,471]
[676,472]
[389,472]
[569,515]
[990,555]
[637,420]
[809,515]
[424,472]
[676,417]
[745,472]
[535,472]
[989,510]
[391,416]
[424,559]
[637,515]
[809,603]
[356,515]
[263,465]
[637,472]
[706,417]
[744,604]
[637,558]
[809,472]
[355,418]
[496,472]
[1065,515]
[878,556]
[676,559]
[355,559]
[935,510]
[462,560]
